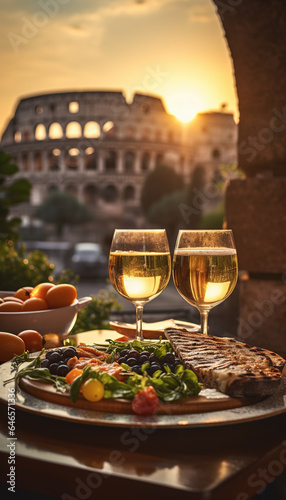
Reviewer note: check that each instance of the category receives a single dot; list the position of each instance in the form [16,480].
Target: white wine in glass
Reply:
[205,268]
[139,267]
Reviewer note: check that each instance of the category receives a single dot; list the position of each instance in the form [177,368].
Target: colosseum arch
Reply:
[90,159]
[110,160]
[52,188]
[129,161]
[40,132]
[108,128]
[145,162]
[73,130]
[128,193]
[73,107]
[26,164]
[38,161]
[72,189]
[91,130]
[17,136]
[72,159]
[90,194]
[159,159]
[216,154]
[110,194]
[55,131]
[53,161]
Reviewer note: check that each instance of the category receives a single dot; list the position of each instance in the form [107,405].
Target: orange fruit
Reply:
[11,345]
[11,306]
[23,293]
[40,290]
[61,296]
[73,374]
[12,299]
[34,304]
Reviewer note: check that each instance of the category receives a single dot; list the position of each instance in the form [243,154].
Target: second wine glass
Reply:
[205,268]
[139,267]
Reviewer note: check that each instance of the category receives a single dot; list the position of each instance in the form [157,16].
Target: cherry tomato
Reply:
[33,340]
[92,389]
[145,402]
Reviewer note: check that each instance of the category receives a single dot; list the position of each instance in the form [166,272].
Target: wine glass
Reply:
[205,268]
[139,267]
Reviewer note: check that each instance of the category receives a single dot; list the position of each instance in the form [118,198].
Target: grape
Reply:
[170,358]
[49,353]
[137,369]
[143,359]
[145,353]
[55,357]
[62,370]
[66,360]
[153,368]
[124,352]
[53,368]
[131,361]
[45,363]
[122,359]
[154,359]
[133,354]
[69,352]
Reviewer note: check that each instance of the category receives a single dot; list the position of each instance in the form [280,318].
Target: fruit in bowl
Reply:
[46,308]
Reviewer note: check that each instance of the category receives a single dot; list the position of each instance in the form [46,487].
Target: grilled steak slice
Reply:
[228,365]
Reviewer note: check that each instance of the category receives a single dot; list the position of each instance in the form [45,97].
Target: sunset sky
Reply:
[171,48]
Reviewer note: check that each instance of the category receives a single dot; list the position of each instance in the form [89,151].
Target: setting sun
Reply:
[183,105]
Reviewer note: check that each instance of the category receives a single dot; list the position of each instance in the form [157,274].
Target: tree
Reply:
[166,213]
[11,193]
[161,181]
[60,209]
[195,199]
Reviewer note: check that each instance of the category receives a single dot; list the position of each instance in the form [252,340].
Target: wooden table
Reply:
[78,461]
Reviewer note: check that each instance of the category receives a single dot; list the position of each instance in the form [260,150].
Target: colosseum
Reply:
[99,147]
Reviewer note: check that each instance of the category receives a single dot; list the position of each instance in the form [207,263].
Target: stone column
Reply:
[255,206]
[137,163]
[100,161]
[81,162]
[80,193]
[45,161]
[120,166]
[152,163]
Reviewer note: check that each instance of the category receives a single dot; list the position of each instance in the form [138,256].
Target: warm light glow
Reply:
[216,291]
[183,105]
[140,288]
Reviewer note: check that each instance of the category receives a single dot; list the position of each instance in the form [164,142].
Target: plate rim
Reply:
[37,406]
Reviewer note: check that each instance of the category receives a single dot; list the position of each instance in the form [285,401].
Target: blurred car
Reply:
[88,260]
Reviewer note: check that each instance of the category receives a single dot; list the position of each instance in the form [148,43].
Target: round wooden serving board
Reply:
[194,404]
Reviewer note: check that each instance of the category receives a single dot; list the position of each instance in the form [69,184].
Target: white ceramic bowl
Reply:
[58,321]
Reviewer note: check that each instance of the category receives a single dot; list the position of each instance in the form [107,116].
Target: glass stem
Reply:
[204,321]
[139,318]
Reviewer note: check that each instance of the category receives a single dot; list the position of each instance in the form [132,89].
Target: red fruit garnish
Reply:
[145,402]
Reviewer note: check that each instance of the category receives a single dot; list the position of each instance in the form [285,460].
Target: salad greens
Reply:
[169,386]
